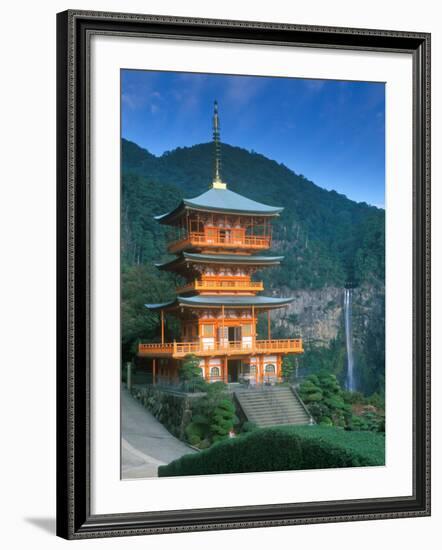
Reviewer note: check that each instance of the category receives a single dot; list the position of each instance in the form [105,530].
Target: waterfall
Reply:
[349,380]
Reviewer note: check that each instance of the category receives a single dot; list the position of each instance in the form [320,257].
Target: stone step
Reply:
[286,405]
[280,420]
[278,413]
[273,407]
[254,414]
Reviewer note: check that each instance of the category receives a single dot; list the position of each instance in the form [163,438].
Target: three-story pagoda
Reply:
[220,239]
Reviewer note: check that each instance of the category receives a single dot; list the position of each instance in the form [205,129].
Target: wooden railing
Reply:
[180,349]
[152,349]
[196,238]
[223,285]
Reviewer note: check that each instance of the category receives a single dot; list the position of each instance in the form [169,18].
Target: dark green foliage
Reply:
[143,239]
[288,367]
[213,416]
[370,355]
[190,375]
[283,448]
[195,432]
[222,419]
[248,426]
[369,419]
[375,400]
[140,284]
[330,405]
[324,398]
[331,358]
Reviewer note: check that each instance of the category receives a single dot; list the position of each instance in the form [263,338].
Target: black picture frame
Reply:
[74,518]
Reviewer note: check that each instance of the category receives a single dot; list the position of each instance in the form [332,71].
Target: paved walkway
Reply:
[145,444]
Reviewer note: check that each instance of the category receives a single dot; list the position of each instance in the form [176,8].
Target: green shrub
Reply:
[357,423]
[283,448]
[326,421]
[195,433]
[248,426]
[222,419]
[325,399]
[190,375]
[288,367]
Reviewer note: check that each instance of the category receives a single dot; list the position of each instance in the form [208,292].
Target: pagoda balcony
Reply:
[179,350]
[196,239]
[222,285]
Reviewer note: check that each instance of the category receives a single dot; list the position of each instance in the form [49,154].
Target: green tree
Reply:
[222,419]
[190,374]
[325,399]
[288,367]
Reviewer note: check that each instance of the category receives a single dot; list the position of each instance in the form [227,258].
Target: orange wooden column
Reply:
[222,326]
[225,371]
[253,328]
[206,368]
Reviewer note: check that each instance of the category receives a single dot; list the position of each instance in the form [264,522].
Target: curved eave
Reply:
[221,202]
[258,302]
[169,217]
[246,212]
[228,259]
[163,305]
[232,259]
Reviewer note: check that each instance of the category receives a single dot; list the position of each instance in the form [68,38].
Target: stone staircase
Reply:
[272,406]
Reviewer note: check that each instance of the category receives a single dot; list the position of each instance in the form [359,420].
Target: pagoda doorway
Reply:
[233,370]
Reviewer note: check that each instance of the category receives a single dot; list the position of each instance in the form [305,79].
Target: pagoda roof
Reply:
[229,259]
[221,200]
[264,302]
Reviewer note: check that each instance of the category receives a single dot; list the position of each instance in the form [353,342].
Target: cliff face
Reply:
[318,317]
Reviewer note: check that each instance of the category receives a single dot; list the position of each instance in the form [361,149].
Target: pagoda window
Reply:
[211,234]
[207,331]
[247,330]
[270,369]
[238,235]
[215,372]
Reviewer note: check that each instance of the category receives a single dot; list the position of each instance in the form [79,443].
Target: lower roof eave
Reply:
[237,302]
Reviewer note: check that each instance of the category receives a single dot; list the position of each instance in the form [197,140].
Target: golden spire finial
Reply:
[217,182]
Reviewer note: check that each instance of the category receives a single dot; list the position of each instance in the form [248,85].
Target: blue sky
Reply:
[332,132]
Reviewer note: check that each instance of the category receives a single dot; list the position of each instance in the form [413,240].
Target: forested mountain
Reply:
[328,240]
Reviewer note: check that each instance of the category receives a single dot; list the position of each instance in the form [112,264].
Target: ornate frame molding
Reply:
[74,30]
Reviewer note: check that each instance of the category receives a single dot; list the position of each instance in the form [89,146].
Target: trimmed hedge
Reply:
[283,448]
